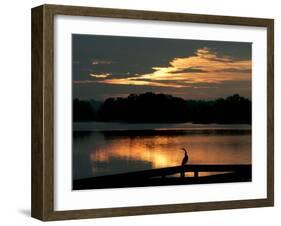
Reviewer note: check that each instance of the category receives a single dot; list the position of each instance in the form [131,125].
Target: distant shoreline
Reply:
[117,126]
[163,108]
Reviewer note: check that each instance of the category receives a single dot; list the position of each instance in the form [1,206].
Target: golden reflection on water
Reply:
[165,151]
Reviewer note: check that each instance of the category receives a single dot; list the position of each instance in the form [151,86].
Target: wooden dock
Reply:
[221,173]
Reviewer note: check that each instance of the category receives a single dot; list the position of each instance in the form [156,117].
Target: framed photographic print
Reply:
[141,112]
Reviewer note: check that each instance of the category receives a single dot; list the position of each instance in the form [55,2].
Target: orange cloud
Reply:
[205,66]
[100,75]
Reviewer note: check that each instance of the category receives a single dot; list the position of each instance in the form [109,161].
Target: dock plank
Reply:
[155,177]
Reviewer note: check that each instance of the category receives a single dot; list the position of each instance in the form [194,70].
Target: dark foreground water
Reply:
[111,148]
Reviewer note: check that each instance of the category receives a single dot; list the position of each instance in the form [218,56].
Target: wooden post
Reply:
[182,173]
[196,173]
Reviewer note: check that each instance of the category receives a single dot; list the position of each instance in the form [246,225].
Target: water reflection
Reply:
[109,152]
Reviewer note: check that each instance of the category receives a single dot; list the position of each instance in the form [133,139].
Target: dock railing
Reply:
[230,172]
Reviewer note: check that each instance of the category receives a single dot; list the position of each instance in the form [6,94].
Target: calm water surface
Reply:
[110,148]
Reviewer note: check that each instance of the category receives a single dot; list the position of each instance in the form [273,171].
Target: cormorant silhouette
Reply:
[184,161]
[185,158]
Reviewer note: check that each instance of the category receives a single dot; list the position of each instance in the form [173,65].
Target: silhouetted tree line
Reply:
[163,108]
[83,111]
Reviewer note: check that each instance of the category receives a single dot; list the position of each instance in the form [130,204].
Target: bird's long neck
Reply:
[185,152]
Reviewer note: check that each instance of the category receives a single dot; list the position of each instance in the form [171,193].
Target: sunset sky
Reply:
[116,66]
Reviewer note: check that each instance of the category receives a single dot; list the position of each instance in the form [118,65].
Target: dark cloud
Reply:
[190,70]
[138,55]
[123,57]
[238,70]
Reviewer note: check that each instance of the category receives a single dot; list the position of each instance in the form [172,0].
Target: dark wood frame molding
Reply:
[43,122]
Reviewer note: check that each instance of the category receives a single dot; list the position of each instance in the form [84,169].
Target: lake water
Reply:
[111,148]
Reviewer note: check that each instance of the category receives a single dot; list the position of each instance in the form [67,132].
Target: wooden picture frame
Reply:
[43,111]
